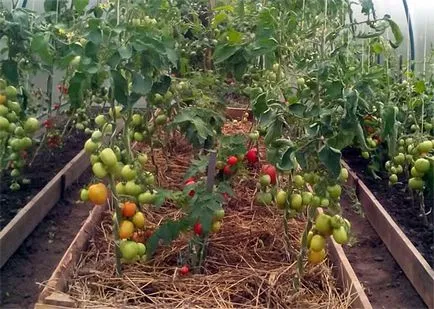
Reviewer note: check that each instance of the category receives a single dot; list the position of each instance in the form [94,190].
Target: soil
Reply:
[398,204]
[233,99]
[385,284]
[37,257]
[45,166]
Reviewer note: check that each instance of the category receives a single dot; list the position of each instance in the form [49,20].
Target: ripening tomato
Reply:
[126,229]
[219,214]
[139,220]
[129,209]
[197,228]
[271,171]
[317,243]
[281,198]
[232,160]
[316,257]
[184,270]
[98,193]
[296,201]
[216,226]
[265,180]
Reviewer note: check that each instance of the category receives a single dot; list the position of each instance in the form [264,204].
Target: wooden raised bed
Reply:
[26,220]
[17,230]
[54,296]
[415,267]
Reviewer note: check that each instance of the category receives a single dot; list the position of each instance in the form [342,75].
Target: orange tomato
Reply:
[129,209]
[98,193]
[126,229]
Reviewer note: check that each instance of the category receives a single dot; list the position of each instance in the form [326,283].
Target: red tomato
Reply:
[270,170]
[190,182]
[232,160]
[191,179]
[197,229]
[252,155]
[184,270]
[227,170]
[56,106]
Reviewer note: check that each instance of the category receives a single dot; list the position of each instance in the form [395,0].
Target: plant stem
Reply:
[115,202]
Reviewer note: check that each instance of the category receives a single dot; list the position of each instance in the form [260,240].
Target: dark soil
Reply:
[385,284]
[233,99]
[46,165]
[398,204]
[40,253]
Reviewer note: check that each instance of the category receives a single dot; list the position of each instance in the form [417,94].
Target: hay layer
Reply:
[247,264]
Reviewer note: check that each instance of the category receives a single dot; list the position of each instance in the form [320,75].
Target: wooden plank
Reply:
[58,280]
[238,113]
[415,267]
[16,231]
[346,275]
[75,168]
[26,220]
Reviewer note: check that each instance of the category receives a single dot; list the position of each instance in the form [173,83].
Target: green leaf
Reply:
[377,47]
[419,87]
[297,109]
[260,104]
[120,87]
[396,33]
[40,45]
[172,56]
[161,196]
[162,85]
[95,36]
[10,71]
[125,52]
[80,5]
[342,139]
[197,167]
[141,85]
[224,52]
[331,158]
[76,89]
[286,163]
[91,50]
[234,37]
[390,130]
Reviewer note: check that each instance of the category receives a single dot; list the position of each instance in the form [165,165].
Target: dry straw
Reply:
[247,264]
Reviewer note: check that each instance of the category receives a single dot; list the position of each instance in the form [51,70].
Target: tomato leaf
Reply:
[10,71]
[80,5]
[224,52]
[331,158]
[141,85]
[120,87]
[396,33]
[197,167]
[77,86]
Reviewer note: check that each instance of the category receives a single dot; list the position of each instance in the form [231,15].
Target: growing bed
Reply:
[247,264]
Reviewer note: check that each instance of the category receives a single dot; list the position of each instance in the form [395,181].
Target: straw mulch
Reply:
[247,264]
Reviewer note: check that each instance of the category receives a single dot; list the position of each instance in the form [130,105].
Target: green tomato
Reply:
[132,188]
[128,172]
[425,146]
[281,198]
[84,195]
[94,158]
[138,137]
[399,159]
[120,188]
[31,125]
[340,235]
[90,146]
[146,198]
[108,157]
[416,183]
[129,249]
[26,142]
[301,82]
[422,165]
[409,141]
[15,186]
[264,198]
[325,202]
[316,201]
[337,221]
[142,158]
[11,92]
[4,123]
[14,106]
[296,201]
[415,173]
[15,173]
[149,179]
[323,224]
[19,131]
[99,170]
[118,110]
[160,120]
[136,120]
[265,180]
[3,110]
[306,197]
[100,120]
[414,127]
[343,175]
[254,136]
[365,155]
[96,136]
[334,191]
[298,181]
[393,179]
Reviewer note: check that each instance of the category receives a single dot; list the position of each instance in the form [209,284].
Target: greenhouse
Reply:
[216,154]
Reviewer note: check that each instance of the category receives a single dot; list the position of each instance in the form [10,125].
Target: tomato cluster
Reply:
[16,133]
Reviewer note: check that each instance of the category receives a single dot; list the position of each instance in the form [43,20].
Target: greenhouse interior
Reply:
[217,154]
